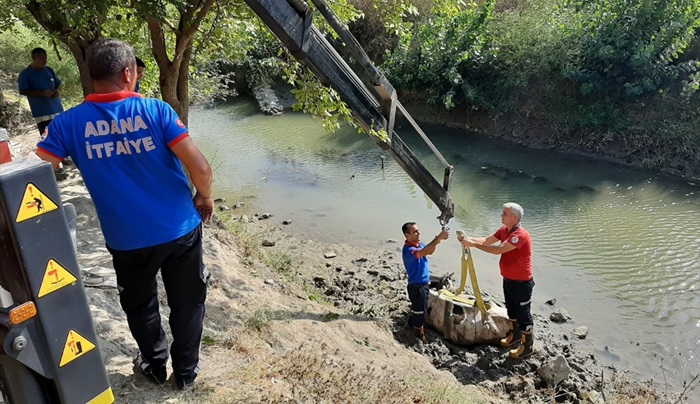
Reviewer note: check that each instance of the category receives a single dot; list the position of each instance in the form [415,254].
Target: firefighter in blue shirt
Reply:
[130,151]
[415,259]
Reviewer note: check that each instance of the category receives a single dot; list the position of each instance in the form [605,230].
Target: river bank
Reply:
[528,131]
[298,319]
[536,133]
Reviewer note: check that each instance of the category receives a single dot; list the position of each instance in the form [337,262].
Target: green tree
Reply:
[437,53]
[631,47]
[177,30]
[173,26]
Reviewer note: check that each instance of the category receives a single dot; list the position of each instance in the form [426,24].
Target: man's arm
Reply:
[37,93]
[55,161]
[487,245]
[200,174]
[430,247]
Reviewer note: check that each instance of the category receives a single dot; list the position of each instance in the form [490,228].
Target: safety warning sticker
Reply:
[55,277]
[76,346]
[34,203]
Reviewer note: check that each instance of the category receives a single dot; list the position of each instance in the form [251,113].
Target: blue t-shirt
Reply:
[42,79]
[417,268]
[121,144]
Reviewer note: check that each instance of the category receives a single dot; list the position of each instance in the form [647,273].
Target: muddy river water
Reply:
[619,248]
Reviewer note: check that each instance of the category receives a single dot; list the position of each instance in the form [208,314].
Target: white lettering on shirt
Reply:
[122,146]
[124,126]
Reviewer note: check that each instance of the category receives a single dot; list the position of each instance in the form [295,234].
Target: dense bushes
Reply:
[436,55]
[595,69]
[630,48]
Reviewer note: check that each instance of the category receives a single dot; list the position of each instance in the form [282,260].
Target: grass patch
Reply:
[318,377]
[208,341]
[330,316]
[315,295]
[249,244]
[260,320]
[280,262]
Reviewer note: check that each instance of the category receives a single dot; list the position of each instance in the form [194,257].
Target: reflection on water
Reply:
[617,247]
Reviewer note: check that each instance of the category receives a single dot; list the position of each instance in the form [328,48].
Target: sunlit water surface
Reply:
[617,247]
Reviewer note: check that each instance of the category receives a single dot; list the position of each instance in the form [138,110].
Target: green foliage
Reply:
[440,50]
[396,14]
[316,296]
[81,16]
[314,98]
[343,9]
[330,316]
[208,340]
[630,48]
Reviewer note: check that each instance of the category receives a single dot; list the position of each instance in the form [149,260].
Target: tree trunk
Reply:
[79,52]
[174,74]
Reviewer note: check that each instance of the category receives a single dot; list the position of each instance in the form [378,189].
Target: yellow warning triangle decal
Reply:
[76,346]
[34,203]
[55,277]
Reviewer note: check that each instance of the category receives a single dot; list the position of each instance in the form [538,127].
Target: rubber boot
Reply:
[419,332]
[526,349]
[512,339]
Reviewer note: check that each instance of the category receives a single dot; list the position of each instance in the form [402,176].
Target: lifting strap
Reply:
[468,267]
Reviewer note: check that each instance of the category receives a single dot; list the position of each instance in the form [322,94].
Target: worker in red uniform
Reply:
[515,249]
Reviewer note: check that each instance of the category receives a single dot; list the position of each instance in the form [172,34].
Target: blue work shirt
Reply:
[121,144]
[417,268]
[41,80]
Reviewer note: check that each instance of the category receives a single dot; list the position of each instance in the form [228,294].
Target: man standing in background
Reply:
[42,87]
[140,67]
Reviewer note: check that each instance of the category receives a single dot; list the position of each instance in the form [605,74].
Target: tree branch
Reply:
[197,21]
[158,38]
[170,25]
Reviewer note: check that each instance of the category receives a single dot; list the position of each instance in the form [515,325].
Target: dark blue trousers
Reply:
[518,296]
[185,280]
[418,294]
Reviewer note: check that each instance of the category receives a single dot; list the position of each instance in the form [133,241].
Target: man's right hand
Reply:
[205,207]
[444,235]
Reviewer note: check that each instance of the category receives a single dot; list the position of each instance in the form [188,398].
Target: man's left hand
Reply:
[468,242]
[205,207]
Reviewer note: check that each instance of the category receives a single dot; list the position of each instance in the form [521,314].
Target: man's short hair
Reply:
[38,51]
[515,208]
[107,58]
[406,225]
[139,63]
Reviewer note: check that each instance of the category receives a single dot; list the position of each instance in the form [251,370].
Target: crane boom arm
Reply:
[367,92]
